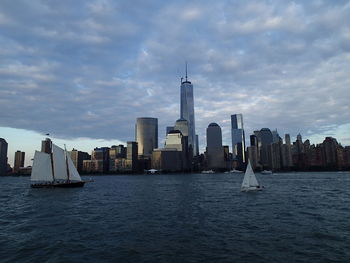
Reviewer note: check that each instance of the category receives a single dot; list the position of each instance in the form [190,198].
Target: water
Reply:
[300,217]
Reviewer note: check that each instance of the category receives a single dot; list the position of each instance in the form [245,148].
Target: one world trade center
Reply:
[187,112]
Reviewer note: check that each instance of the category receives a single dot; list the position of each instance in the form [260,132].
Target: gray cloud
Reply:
[90,68]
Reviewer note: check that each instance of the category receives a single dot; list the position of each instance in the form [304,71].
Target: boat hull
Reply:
[252,189]
[60,185]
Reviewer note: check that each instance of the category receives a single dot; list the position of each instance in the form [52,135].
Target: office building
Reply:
[46,145]
[238,138]
[146,135]
[78,157]
[101,155]
[19,161]
[3,156]
[167,160]
[215,151]
[266,139]
[187,111]
[132,156]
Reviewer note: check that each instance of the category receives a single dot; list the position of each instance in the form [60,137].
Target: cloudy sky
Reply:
[83,71]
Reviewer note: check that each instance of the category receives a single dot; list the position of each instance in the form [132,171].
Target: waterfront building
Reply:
[187,111]
[266,138]
[176,140]
[167,160]
[3,156]
[78,157]
[46,146]
[102,155]
[116,153]
[146,135]
[93,166]
[238,138]
[252,154]
[19,161]
[215,151]
[330,152]
[132,156]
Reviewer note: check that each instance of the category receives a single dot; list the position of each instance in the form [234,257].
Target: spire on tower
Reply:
[186,70]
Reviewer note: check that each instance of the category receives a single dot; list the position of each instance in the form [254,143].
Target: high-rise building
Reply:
[102,156]
[78,158]
[19,161]
[131,156]
[168,129]
[3,156]
[146,135]
[187,111]
[177,141]
[215,151]
[266,138]
[46,145]
[238,138]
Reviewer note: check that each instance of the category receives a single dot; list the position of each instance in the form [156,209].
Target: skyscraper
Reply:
[266,148]
[19,161]
[238,138]
[3,156]
[131,156]
[215,151]
[187,111]
[146,135]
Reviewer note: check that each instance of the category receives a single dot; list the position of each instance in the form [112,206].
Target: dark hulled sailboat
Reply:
[54,169]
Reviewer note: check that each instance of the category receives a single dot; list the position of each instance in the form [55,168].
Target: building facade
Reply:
[238,138]
[146,135]
[215,151]
[187,112]
[19,161]
[3,156]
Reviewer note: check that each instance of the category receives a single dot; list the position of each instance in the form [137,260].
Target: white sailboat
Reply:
[55,169]
[249,181]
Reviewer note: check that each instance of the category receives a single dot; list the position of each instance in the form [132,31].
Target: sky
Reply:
[84,70]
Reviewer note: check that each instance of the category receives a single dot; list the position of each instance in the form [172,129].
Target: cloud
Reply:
[90,68]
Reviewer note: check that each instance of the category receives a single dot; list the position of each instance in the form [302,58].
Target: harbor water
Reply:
[299,217]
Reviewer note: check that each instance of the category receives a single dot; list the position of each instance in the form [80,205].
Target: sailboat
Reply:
[249,181]
[55,169]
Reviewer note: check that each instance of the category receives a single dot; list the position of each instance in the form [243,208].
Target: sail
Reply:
[249,177]
[42,169]
[73,173]
[59,163]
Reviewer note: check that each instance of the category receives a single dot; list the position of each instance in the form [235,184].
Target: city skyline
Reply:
[281,64]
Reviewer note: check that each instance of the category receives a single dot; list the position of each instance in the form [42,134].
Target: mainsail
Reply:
[59,163]
[249,179]
[42,169]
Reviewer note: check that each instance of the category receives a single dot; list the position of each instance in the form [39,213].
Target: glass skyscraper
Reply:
[146,135]
[187,111]
[238,138]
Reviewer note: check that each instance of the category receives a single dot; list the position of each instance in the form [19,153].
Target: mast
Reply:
[65,151]
[186,71]
[51,156]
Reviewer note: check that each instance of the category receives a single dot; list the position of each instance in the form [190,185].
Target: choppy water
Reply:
[300,217]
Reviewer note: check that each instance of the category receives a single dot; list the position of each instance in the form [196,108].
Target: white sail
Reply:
[249,179]
[42,169]
[73,173]
[59,163]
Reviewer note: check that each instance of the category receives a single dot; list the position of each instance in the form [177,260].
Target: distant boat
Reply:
[55,169]
[208,172]
[152,171]
[249,181]
[266,172]
[236,171]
